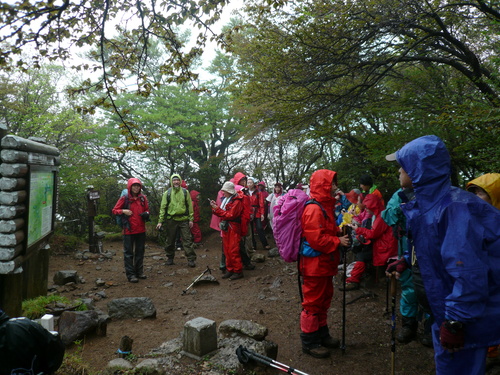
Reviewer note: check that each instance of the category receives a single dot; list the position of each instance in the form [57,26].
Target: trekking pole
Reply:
[393,326]
[387,296]
[244,355]
[195,280]
[344,282]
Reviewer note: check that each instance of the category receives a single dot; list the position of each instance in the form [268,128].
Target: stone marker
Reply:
[200,338]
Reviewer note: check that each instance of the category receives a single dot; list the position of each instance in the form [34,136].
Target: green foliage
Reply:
[73,362]
[35,308]
[61,243]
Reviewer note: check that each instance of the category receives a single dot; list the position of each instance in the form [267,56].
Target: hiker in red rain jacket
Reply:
[230,212]
[258,213]
[195,229]
[322,235]
[384,244]
[135,209]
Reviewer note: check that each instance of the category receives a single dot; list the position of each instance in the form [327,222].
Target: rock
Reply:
[64,277]
[100,282]
[277,283]
[150,366]
[74,325]
[169,347]
[227,359]
[273,253]
[120,363]
[243,328]
[258,258]
[132,307]
[207,279]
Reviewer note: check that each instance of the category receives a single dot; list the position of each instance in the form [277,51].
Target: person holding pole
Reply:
[456,240]
[321,233]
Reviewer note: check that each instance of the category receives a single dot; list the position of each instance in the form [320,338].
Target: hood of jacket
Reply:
[237,177]
[428,164]
[374,204]
[320,186]
[194,194]
[489,182]
[175,175]
[132,181]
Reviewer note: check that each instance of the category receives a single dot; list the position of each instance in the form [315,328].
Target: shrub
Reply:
[62,243]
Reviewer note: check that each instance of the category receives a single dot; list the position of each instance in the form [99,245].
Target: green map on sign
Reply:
[40,205]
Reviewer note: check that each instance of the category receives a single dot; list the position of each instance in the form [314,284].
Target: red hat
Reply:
[262,183]
[353,196]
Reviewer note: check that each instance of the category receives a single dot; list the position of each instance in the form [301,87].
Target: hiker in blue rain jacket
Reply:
[456,239]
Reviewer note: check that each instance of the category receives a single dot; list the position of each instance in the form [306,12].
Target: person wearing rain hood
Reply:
[230,212]
[487,187]
[176,211]
[134,209]
[456,241]
[317,269]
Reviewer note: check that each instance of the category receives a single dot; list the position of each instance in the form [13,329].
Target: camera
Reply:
[145,216]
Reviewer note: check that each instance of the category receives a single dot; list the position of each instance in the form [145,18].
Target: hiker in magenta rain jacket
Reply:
[322,235]
[456,239]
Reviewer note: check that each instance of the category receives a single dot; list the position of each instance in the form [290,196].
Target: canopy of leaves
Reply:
[375,74]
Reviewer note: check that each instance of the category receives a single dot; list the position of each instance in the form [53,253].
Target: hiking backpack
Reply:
[287,223]
[122,220]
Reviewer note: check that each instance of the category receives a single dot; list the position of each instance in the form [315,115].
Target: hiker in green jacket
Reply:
[176,211]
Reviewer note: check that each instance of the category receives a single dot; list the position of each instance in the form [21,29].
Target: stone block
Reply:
[66,276]
[200,337]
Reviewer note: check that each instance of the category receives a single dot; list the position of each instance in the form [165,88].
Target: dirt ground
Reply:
[267,295]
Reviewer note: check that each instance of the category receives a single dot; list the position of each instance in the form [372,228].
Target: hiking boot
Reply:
[330,342]
[191,263]
[249,267]
[227,275]
[236,276]
[170,262]
[142,276]
[349,286]
[426,340]
[408,331]
[316,351]
[326,339]
[133,279]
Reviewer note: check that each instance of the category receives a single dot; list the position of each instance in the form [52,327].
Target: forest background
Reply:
[120,88]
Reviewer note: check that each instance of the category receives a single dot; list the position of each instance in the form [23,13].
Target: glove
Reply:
[398,266]
[451,335]
[145,215]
